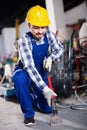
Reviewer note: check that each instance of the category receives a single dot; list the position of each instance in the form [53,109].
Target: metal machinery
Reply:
[69,74]
[80,83]
[62,68]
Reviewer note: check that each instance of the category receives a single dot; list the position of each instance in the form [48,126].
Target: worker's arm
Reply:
[55,46]
[56,50]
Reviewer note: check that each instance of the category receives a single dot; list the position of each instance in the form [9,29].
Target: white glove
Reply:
[47,63]
[48,93]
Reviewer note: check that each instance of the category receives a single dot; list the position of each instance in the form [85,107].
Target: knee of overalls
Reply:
[19,75]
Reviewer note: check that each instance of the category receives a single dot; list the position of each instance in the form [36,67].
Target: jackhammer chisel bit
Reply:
[55,119]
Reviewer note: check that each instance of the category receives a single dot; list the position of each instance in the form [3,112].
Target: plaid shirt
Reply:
[25,54]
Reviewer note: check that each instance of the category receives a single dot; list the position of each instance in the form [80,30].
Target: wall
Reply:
[1,45]
[59,14]
[8,35]
[59,18]
[7,39]
[79,12]
[23,28]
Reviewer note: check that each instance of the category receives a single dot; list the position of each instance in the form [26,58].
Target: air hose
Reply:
[82,105]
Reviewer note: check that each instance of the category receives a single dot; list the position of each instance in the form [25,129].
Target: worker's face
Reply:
[38,32]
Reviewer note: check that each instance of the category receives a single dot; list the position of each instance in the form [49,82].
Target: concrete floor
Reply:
[11,118]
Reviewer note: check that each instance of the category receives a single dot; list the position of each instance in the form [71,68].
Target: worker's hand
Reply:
[47,63]
[48,93]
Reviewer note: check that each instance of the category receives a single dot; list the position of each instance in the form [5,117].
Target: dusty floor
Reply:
[11,118]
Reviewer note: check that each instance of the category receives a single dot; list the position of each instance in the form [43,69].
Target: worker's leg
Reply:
[39,101]
[22,86]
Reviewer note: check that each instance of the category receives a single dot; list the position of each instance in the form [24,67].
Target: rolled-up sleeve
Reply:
[55,46]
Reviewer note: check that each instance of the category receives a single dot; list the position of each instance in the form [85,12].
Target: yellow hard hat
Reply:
[38,16]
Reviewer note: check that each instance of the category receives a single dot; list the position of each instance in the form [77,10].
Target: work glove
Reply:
[47,64]
[47,94]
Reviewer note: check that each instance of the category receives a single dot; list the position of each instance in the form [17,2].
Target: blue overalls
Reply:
[29,95]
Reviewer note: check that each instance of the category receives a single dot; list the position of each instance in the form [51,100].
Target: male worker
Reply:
[30,79]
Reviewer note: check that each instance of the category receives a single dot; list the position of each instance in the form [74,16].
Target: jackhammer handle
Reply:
[50,85]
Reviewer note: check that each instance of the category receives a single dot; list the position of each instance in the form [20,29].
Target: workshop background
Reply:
[69,18]
[68,75]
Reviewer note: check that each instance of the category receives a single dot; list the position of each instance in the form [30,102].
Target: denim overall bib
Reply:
[29,95]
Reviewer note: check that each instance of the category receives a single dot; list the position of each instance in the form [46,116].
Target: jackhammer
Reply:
[55,119]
